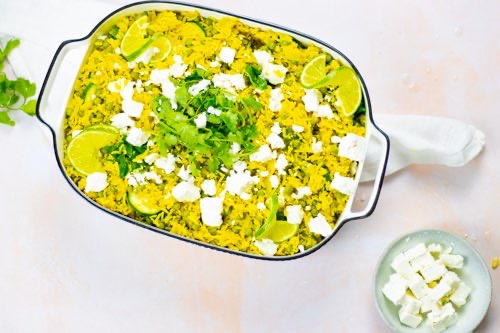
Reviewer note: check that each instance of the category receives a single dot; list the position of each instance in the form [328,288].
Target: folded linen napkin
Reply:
[413,139]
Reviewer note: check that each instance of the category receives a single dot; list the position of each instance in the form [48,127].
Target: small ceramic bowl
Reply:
[474,273]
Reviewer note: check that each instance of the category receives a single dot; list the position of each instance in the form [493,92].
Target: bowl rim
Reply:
[388,249]
[340,223]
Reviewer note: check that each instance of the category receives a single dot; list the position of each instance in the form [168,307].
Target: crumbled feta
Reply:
[235,148]
[167,164]
[311,99]
[294,214]
[275,181]
[195,89]
[276,128]
[137,137]
[151,175]
[324,111]
[301,192]
[317,146]
[118,51]
[245,196]
[353,146]
[151,158]
[132,108]
[145,57]
[201,120]
[186,191]
[301,248]
[208,187]
[168,90]
[185,174]
[117,66]
[297,128]
[266,247]
[229,82]
[345,185]
[262,155]
[211,211]
[178,67]
[240,180]
[335,139]
[138,86]
[264,173]
[75,133]
[214,64]
[275,141]
[275,100]
[263,57]
[227,55]
[281,164]
[127,91]
[319,225]
[273,73]
[214,111]
[261,206]
[238,81]
[159,76]
[117,86]
[96,182]
[136,178]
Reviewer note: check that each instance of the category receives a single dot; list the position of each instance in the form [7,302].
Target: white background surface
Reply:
[67,267]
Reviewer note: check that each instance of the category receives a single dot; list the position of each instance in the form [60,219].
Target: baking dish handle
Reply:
[59,82]
[379,179]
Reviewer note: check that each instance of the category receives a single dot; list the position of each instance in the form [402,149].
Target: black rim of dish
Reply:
[193,241]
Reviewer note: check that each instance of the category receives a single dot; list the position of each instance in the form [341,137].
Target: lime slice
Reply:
[280,231]
[314,71]
[103,127]
[163,44]
[262,231]
[348,95]
[83,151]
[88,92]
[140,202]
[134,43]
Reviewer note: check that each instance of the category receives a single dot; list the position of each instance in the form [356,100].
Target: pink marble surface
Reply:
[65,267]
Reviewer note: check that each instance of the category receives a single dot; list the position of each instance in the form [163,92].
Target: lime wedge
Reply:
[134,43]
[84,150]
[314,71]
[164,46]
[280,231]
[193,29]
[348,94]
[88,92]
[142,203]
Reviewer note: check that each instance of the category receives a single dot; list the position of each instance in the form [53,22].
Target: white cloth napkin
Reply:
[423,140]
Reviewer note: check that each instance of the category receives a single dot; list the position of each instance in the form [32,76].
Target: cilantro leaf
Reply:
[29,108]
[5,119]
[253,75]
[11,44]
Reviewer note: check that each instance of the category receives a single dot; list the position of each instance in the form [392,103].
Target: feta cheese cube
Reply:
[422,261]
[319,225]
[136,137]
[185,174]
[208,187]
[240,182]
[428,304]
[324,111]
[353,147]
[412,320]
[440,319]
[195,89]
[167,164]
[275,141]
[294,214]
[266,247]
[439,291]
[433,271]
[415,251]
[395,289]
[301,192]
[459,297]
[276,128]
[273,73]
[418,286]
[275,100]
[151,175]
[211,211]
[168,90]
[214,64]
[451,278]
[132,108]
[262,155]
[186,191]
[274,181]
[411,304]
[96,182]
[311,99]
[227,55]
[402,266]
[345,185]
[263,57]
[297,128]
[178,68]
[435,248]
[281,164]
[201,120]
[452,260]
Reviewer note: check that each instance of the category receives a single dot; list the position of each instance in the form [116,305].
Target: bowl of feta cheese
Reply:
[432,281]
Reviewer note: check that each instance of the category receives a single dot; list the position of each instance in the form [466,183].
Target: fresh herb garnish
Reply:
[253,74]
[14,94]
[227,122]
[124,154]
